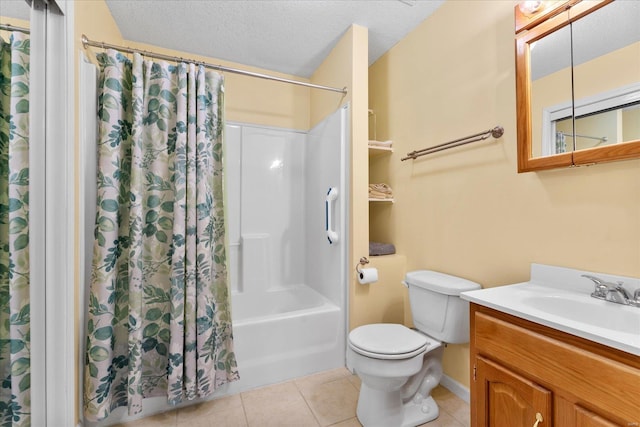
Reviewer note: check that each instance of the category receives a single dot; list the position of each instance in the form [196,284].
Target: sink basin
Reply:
[559,298]
[591,311]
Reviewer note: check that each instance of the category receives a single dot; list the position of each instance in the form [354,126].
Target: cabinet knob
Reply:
[539,419]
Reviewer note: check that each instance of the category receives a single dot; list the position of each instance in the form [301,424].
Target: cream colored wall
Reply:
[383,301]
[466,211]
[338,70]
[603,125]
[631,124]
[347,65]
[12,21]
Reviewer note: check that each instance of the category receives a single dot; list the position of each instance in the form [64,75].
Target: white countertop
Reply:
[566,292]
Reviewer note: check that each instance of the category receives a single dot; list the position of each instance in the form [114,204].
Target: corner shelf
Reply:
[375,151]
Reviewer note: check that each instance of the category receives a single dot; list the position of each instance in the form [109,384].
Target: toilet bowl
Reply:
[399,366]
[389,394]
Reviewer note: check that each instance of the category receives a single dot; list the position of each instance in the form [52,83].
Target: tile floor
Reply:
[321,400]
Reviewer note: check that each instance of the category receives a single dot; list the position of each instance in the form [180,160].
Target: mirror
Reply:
[578,84]
[606,74]
[550,62]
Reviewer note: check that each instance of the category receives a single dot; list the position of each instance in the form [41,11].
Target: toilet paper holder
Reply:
[363,261]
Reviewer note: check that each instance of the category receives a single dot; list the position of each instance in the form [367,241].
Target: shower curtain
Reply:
[159,319]
[15,380]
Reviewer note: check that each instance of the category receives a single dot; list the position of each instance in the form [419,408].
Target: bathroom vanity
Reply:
[552,364]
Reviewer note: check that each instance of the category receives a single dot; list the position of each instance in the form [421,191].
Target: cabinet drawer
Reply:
[574,372]
[586,418]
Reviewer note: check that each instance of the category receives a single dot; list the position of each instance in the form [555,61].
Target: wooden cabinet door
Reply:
[506,399]
[585,418]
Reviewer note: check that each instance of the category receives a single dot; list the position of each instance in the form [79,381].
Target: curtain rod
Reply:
[599,138]
[86,42]
[9,27]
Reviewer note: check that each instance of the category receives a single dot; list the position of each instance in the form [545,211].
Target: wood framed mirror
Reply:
[577,82]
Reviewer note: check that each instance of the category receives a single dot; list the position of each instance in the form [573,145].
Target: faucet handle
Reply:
[594,279]
[620,288]
[601,287]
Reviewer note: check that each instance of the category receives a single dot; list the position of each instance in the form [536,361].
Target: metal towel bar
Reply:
[496,132]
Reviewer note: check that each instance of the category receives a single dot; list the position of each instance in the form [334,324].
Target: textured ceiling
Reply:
[14,9]
[290,36]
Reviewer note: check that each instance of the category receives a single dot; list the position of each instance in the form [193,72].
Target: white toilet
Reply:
[399,366]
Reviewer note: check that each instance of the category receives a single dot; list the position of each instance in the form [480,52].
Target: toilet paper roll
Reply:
[368,275]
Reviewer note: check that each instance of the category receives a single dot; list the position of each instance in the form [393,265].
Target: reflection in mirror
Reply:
[606,62]
[550,62]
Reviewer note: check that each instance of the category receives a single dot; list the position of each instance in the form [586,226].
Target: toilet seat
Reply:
[387,341]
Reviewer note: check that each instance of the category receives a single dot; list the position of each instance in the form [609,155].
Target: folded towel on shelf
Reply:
[376,249]
[378,195]
[380,191]
[381,188]
[374,143]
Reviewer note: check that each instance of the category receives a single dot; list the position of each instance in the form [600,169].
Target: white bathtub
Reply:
[279,335]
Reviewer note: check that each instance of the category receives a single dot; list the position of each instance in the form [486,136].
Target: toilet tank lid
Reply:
[440,282]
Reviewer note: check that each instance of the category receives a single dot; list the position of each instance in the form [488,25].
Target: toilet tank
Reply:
[436,306]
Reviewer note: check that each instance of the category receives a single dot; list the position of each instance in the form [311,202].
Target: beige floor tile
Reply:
[352,422]
[229,417]
[322,377]
[277,393]
[452,404]
[462,414]
[274,414]
[333,401]
[223,412]
[167,419]
[280,405]
[355,380]
[325,399]
[209,407]
[444,420]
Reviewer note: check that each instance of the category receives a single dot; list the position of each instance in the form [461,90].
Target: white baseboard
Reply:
[456,388]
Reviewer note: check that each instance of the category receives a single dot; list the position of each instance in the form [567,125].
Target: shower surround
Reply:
[288,282]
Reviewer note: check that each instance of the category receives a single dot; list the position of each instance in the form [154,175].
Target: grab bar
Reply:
[332,195]
[496,132]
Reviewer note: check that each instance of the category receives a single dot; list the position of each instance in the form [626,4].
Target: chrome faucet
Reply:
[614,292]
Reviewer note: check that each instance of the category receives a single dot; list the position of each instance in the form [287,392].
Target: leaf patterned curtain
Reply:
[159,319]
[15,380]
